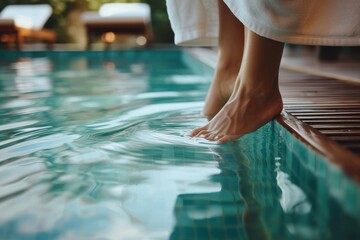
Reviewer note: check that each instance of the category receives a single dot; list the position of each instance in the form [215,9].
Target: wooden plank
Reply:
[330,107]
[340,132]
[339,155]
[334,121]
[328,115]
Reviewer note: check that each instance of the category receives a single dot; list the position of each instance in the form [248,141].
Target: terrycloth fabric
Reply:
[194,22]
[313,22]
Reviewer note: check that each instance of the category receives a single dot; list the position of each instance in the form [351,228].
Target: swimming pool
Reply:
[94,145]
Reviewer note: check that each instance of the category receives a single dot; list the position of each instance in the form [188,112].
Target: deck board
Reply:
[325,104]
[320,109]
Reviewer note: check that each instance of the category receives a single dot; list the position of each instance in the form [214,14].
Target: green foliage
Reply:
[160,21]
[61,8]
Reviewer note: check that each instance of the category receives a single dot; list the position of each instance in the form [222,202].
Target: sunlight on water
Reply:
[96,146]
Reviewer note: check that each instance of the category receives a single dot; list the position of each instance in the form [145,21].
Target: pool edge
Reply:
[335,153]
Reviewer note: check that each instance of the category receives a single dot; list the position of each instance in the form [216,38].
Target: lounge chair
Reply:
[118,18]
[21,22]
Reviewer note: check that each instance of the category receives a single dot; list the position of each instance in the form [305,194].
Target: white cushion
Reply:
[119,13]
[33,16]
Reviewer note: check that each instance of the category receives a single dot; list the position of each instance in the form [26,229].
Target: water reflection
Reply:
[100,151]
[293,198]
[31,75]
[262,196]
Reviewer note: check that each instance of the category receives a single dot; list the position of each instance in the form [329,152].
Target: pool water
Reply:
[94,145]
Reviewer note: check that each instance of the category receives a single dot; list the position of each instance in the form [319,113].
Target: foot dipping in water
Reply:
[250,36]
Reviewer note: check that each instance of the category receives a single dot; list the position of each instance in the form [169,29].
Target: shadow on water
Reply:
[267,192]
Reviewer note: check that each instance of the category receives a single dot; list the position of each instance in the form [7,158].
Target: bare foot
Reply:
[220,90]
[255,98]
[245,112]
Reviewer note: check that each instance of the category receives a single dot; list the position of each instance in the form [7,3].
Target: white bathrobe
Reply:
[310,22]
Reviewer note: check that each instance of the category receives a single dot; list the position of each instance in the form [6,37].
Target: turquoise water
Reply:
[94,146]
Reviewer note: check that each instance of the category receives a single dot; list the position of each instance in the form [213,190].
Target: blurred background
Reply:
[71,33]
[66,19]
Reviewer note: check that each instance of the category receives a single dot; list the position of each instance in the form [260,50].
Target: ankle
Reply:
[228,63]
[260,91]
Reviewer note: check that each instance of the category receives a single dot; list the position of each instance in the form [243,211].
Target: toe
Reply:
[210,137]
[197,131]
[207,134]
[202,133]
[218,137]
[214,137]
[227,138]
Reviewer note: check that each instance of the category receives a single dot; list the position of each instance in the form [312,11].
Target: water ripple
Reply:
[34,145]
[106,147]
[8,126]
[17,103]
[145,112]
[13,173]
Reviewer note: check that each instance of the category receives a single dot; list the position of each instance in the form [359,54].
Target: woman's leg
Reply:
[231,45]
[255,99]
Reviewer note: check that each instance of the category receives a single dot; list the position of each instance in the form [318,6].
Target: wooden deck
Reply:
[325,104]
[324,113]
[321,111]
